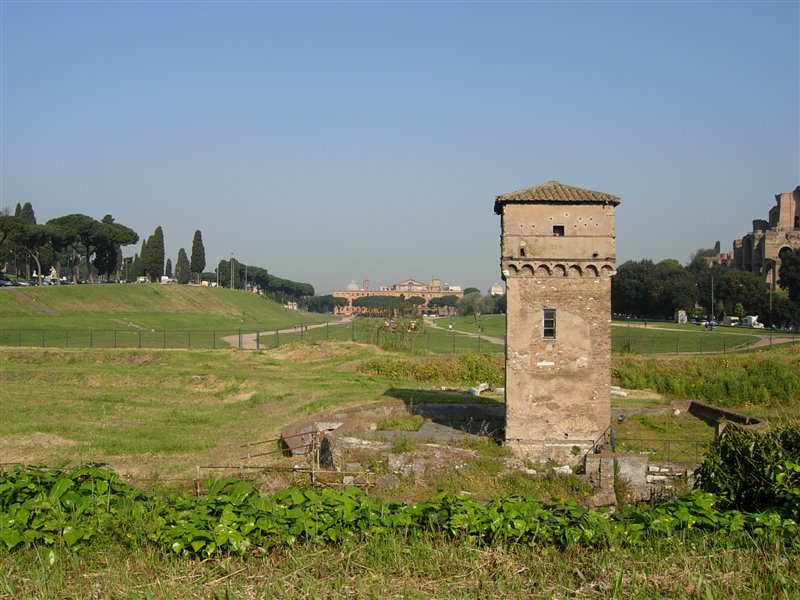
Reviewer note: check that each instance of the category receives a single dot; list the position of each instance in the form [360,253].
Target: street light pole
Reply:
[712,296]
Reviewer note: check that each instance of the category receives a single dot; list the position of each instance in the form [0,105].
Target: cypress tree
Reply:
[183,270]
[153,261]
[27,215]
[141,260]
[168,268]
[198,262]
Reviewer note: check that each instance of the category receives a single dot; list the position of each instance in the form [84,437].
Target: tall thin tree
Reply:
[198,260]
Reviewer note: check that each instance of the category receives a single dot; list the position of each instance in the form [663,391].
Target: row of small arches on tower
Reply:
[560,270]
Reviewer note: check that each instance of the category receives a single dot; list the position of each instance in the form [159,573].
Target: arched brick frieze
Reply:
[590,271]
[526,271]
[574,271]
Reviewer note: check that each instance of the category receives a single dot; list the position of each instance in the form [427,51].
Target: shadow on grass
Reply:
[453,410]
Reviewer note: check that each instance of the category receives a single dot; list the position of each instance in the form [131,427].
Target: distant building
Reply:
[406,288]
[760,251]
[495,289]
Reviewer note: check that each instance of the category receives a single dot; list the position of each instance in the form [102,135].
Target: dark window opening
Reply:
[797,222]
[558,230]
[549,329]
[522,252]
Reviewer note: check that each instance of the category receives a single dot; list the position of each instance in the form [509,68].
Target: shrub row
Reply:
[771,379]
[464,369]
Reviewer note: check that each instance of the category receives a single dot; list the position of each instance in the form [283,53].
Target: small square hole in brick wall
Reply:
[558,230]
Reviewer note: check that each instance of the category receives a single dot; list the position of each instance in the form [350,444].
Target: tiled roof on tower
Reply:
[554,191]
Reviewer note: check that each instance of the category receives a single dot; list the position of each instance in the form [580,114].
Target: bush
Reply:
[466,369]
[772,379]
[751,471]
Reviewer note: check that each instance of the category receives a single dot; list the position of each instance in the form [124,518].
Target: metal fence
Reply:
[637,341]
[443,342]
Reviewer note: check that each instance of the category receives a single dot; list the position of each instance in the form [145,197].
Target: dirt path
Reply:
[494,340]
[249,341]
[37,306]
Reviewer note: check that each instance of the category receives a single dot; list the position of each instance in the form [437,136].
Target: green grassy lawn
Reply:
[491,325]
[437,340]
[163,412]
[683,339]
[160,413]
[141,316]
[428,567]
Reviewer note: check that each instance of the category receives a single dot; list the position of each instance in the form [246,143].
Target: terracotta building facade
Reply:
[406,288]
[760,251]
[558,254]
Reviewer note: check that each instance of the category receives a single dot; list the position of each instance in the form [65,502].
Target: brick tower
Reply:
[557,258]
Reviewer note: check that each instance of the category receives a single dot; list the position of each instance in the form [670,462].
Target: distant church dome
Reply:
[353,287]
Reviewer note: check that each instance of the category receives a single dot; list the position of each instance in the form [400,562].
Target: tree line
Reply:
[79,248]
[645,289]
[471,303]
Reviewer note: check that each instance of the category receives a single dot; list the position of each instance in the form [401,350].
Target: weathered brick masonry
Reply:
[557,257]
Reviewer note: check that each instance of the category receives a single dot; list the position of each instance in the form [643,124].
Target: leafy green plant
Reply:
[750,470]
[69,510]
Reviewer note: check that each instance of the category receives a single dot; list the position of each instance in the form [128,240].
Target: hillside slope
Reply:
[145,305]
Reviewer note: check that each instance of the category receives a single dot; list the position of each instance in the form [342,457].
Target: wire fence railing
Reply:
[442,342]
[624,340]
[639,341]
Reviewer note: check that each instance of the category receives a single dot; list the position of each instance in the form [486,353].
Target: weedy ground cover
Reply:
[765,379]
[83,532]
[161,413]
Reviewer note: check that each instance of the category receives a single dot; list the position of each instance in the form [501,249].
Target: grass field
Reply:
[155,415]
[156,316]
[161,413]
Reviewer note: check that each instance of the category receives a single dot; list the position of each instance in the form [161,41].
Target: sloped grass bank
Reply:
[148,306]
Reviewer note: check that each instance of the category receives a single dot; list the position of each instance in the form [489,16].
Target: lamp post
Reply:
[712,298]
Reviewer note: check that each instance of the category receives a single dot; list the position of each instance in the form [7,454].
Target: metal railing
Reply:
[439,342]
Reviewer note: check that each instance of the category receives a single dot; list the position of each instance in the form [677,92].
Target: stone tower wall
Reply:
[558,396]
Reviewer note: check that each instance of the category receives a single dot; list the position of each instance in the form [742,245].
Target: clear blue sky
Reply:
[330,141]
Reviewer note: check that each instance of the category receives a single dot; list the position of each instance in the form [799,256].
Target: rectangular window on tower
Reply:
[549,326]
